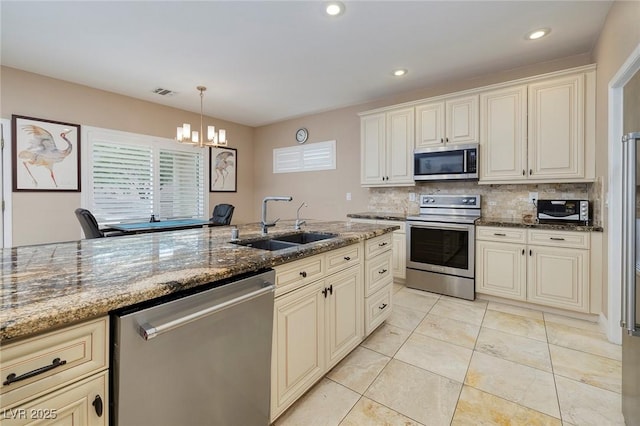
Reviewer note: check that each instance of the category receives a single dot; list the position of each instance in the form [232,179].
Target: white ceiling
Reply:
[266,61]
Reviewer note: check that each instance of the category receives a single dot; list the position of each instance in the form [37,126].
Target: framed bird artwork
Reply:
[45,155]
[223,168]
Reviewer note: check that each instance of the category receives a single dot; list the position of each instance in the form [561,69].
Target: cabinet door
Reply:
[372,149]
[399,255]
[430,125]
[399,151]
[344,325]
[75,404]
[503,134]
[298,345]
[556,128]
[558,277]
[501,269]
[462,120]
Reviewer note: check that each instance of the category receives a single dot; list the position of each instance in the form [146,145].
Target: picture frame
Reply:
[223,167]
[45,155]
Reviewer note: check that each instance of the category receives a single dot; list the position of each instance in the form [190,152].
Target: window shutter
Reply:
[122,182]
[181,184]
[305,158]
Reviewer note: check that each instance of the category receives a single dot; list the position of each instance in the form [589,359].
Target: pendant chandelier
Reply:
[214,139]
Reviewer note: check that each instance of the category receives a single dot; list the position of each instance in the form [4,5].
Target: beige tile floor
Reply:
[444,361]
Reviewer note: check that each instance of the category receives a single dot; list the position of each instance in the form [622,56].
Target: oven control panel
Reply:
[449,200]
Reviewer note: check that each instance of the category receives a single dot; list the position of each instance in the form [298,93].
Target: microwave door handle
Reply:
[464,162]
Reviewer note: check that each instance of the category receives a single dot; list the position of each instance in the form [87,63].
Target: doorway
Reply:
[5,183]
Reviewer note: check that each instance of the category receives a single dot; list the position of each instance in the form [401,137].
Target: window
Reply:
[305,158]
[130,177]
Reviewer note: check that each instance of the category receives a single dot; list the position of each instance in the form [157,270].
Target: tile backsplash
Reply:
[503,201]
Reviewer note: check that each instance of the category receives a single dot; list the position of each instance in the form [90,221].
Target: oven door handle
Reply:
[440,225]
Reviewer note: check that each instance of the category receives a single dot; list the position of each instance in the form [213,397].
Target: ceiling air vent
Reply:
[164,92]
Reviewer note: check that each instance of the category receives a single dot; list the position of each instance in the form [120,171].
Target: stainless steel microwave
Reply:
[446,162]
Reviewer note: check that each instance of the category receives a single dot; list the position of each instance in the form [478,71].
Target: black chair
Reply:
[222,215]
[90,227]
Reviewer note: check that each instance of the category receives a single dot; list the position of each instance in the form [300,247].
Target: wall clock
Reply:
[302,135]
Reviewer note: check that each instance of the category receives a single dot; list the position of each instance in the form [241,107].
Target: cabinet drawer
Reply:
[378,273]
[295,274]
[72,405]
[377,245]
[377,308]
[559,238]
[81,350]
[512,235]
[340,259]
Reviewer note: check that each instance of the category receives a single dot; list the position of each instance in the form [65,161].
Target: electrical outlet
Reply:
[533,197]
[412,196]
[348,196]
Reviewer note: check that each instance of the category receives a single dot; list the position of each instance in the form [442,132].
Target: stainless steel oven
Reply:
[441,245]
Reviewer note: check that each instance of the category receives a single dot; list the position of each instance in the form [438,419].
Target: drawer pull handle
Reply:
[382,272]
[12,378]
[347,258]
[97,404]
[556,238]
[499,234]
[382,244]
[384,305]
[304,274]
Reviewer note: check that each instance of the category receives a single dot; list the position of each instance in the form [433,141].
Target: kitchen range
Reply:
[440,245]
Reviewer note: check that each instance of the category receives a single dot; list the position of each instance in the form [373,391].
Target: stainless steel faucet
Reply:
[299,222]
[266,225]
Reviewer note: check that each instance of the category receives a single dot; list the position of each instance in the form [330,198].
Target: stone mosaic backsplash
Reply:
[506,201]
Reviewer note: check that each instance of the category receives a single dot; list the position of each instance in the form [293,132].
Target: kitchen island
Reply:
[48,286]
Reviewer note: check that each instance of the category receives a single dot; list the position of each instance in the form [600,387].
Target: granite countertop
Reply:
[519,223]
[379,216]
[53,285]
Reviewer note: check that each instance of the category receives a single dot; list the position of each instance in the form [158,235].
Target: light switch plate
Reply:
[348,196]
[533,197]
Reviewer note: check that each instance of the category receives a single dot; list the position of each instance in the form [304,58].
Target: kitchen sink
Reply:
[269,244]
[304,237]
[281,242]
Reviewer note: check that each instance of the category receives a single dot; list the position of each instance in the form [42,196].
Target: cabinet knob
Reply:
[382,244]
[331,289]
[446,140]
[523,252]
[441,140]
[304,274]
[384,305]
[347,258]
[382,272]
[530,172]
[97,404]
[524,173]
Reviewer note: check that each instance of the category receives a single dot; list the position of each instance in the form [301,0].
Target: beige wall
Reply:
[43,217]
[619,36]
[325,191]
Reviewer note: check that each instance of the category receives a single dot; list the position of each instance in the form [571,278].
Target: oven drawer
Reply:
[377,245]
[567,239]
[493,233]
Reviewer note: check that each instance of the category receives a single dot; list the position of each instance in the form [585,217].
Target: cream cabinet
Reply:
[387,140]
[447,121]
[398,245]
[316,323]
[58,377]
[543,131]
[503,134]
[378,281]
[545,267]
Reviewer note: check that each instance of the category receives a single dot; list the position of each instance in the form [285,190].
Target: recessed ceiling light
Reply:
[536,34]
[399,72]
[335,8]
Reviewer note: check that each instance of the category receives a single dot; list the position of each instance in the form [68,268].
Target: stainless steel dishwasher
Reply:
[203,359]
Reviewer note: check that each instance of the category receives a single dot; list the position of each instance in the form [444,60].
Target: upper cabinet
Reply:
[538,129]
[387,148]
[447,121]
[539,132]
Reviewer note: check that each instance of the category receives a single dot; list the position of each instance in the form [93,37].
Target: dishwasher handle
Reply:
[148,331]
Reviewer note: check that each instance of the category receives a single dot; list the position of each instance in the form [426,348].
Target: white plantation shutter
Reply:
[305,158]
[130,177]
[181,190]
[122,182]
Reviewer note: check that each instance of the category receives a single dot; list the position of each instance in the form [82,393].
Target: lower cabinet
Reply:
[549,268]
[315,326]
[378,283]
[399,246]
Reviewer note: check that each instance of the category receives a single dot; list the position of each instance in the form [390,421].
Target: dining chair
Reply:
[90,227]
[221,215]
